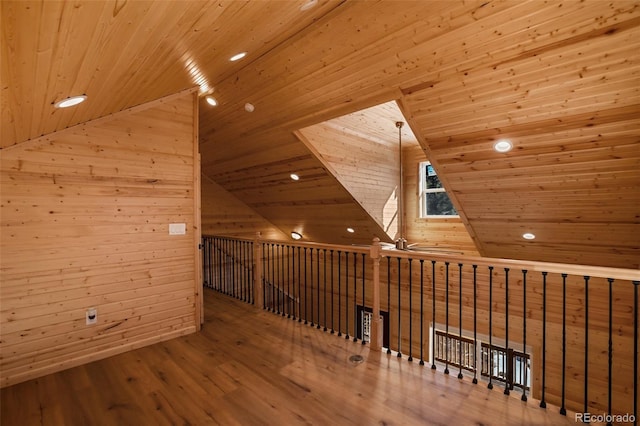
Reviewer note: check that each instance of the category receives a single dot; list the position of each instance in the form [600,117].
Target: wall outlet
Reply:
[92,316]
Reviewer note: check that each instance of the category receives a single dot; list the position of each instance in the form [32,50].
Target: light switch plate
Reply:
[177,228]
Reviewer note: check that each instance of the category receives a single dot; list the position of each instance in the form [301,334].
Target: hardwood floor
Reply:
[248,367]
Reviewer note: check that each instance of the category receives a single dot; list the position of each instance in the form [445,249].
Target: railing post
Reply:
[376,321]
[258,293]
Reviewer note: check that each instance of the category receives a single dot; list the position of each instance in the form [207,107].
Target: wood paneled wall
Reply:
[368,169]
[225,215]
[85,224]
[448,233]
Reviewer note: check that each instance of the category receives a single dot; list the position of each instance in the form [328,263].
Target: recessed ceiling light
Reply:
[71,101]
[296,235]
[528,236]
[211,100]
[308,5]
[351,230]
[238,56]
[294,176]
[249,107]
[503,145]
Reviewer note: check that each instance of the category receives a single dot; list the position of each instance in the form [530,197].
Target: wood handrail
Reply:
[559,268]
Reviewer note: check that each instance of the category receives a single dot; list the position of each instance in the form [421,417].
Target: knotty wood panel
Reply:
[224,214]
[317,206]
[366,166]
[573,176]
[126,54]
[470,72]
[85,219]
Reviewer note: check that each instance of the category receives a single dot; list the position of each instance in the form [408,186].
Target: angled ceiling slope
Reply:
[361,151]
[559,78]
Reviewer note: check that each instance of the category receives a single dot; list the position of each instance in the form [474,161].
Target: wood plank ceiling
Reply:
[561,79]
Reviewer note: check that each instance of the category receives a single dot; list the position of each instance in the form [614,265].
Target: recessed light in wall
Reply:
[296,235]
[211,100]
[503,145]
[249,107]
[238,56]
[351,230]
[308,5]
[71,101]
[294,176]
[528,236]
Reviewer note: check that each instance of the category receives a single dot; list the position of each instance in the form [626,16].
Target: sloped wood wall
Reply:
[368,169]
[85,224]
[225,214]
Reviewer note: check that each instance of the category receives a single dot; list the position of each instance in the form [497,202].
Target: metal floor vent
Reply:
[356,359]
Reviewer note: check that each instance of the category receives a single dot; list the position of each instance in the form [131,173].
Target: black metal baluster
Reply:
[277,279]
[355,297]
[586,343]
[421,311]
[389,297]
[299,285]
[318,284]
[231,277]
[324,287]
[311,288]
[524,332]
[273,279]
[506,328]
[285,295]
[293,283]
[288,281]
[346,289]
[243,280]
[206,265]
[433,313]
[399,311]
[265,274]
[635,352]
[229,269]
[221,265]
[543,403]
[410,311]
[332,315]
[460,319]
[363,293]
[446,319]
[475,325]
[609,381]
[248,264]
[305,286]
[563,410]
[236,268]
[490,385]
[339,293]
[250,272]
[211,255]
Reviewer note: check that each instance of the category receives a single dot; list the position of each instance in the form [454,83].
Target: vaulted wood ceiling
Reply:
[561,79]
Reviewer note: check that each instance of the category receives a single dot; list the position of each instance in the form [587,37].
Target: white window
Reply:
[434,201]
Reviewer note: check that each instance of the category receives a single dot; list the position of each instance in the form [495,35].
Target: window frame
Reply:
[423,191]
